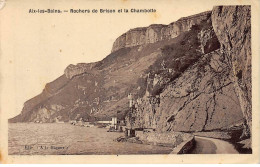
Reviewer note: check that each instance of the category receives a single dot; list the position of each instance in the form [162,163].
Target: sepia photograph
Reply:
[127,80]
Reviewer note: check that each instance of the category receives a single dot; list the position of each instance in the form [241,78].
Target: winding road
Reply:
[206,145]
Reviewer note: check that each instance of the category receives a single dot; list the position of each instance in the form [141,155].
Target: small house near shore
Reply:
[113,123]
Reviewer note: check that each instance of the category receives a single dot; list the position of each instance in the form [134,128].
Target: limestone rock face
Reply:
[74,70]
[158,32]
[201,99]
[192,75]
[208,41]
[232,25]
[215,92]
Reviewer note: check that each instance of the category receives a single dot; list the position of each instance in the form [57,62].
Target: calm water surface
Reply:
[52,138]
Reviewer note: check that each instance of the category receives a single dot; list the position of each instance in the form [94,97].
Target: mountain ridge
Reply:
[157,32]
[180,75]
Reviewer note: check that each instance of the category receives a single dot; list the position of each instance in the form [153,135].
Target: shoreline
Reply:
[76,140]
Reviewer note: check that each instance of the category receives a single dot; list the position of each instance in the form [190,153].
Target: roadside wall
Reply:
[181,142]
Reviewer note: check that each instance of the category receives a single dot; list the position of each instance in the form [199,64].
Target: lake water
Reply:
[60,139]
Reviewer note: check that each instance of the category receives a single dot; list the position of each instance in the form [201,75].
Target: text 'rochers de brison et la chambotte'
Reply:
[133,10]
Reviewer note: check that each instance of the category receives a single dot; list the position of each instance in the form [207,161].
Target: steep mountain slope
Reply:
[99,90]
[232,25]
[158,32]
[182,77]
[200,99]
[212,94]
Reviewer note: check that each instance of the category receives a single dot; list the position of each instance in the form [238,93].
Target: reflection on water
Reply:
[31,138]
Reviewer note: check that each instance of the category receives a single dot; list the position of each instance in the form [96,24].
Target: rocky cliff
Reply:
[232,25]
[191,75]
[214,93]
[158,32]
[201,99]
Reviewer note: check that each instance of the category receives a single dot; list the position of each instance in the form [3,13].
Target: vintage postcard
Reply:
[127,81]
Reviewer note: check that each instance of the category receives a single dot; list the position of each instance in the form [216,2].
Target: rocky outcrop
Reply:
[74,70]
[232,25]
[208,41]
[214,94]
[186,76]
[91,91]
[201,99]
[158,32]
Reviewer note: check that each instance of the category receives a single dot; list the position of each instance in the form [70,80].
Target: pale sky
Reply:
[36,48]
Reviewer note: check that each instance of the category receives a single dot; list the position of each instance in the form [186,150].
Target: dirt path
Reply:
[206,145]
